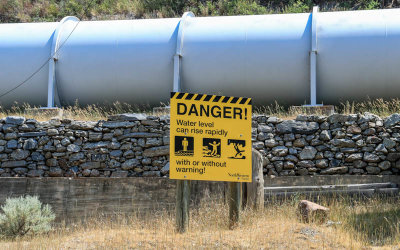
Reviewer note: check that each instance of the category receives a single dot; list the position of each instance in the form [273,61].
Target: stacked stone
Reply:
[133,145]
[338,144]
[125,145]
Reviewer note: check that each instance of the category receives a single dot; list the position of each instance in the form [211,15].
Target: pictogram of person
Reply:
[214,145]
[185,144]
[238,151]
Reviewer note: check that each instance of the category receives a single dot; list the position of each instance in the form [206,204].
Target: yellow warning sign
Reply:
[210,137]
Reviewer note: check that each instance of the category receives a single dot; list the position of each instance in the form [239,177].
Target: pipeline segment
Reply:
[323,57]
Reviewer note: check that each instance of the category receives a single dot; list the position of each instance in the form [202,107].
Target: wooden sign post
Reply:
[182,205]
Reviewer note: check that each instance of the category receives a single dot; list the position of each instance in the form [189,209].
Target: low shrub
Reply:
[25,216]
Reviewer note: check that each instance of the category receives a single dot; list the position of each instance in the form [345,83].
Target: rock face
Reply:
[299,127]
[312,212]
[133,145]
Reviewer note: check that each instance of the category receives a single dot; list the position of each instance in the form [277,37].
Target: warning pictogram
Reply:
[211,147]
[239,146]
[184,146]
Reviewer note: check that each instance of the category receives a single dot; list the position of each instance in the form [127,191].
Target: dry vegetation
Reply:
[374,223]
[93,112]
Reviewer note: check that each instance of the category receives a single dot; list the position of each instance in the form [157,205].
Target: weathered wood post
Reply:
[255,189]
[182,205]
[235,202]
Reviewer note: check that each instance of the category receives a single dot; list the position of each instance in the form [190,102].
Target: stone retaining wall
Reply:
[132,145]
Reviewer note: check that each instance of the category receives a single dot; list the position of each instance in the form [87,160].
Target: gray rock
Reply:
[288,137]
[288,165]
[95,145]
[373,139]
[354,157]
[150,123]
[82,125]
[325,135]
[152,174]
[373,170]
[348,150]
[165,169]
[119,174]
[73,148]
[381,148]
[369,157]
[264,128]
[343,143]
[20,154]
[335,163]
[129,154]
[385,165]
[130,164]
[273,120]
[270,143]
[94,173]
[15,120]
[12,144]
[359,164]
[36,156]
[116,124]
[55,172]
[335,170]
[151,142]
[302,171]
[52,132]
[91,165]
[308,153]
[32,134]
[305,164]
[35,173]
[30,144]
[392,120]
[13,164]
[156,151]
[115,153]
[388,143]
[114,145]
[127,117]
[301,142]
[20,171]
[353,129]
[280,151]
[297,127]
[93,136]
[322,163]
[291,158]
[52,162]
[393,157]
[76,157]
[138,135]
[369,131]
[338,118]
[86,172]
[10,136]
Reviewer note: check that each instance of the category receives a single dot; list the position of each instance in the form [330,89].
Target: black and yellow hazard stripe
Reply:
[211,98]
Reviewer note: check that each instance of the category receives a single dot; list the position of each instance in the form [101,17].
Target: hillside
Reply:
[55,10]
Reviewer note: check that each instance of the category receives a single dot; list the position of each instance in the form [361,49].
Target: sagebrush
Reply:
[25,216]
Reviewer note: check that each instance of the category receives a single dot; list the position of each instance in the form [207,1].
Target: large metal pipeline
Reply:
[335,56]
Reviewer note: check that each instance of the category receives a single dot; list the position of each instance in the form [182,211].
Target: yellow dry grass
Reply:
[276,227]
[93,112]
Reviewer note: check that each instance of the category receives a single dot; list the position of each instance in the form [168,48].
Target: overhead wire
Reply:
[48,59]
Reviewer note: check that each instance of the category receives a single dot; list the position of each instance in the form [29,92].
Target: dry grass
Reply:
[362,225]
[94,112]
